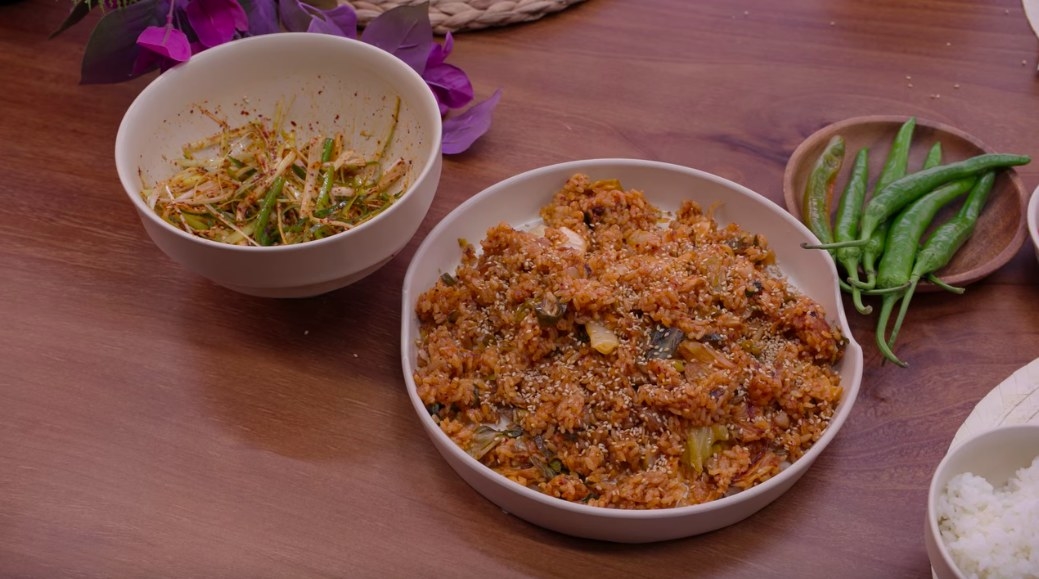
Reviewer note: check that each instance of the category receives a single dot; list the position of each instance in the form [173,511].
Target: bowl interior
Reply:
[1000,231]
[326,85]
[996,455]
[517,200]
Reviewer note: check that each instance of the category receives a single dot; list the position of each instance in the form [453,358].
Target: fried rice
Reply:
[620,356]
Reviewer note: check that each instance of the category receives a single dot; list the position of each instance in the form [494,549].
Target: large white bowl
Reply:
[994,454]
[516,201]
[334,85]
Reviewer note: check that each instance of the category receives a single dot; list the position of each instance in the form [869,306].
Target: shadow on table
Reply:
[708,555]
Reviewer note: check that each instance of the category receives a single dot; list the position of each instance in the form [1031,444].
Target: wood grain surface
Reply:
[155,425]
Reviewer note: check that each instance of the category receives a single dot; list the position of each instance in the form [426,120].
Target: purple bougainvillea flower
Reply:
[449,83]
[148,61]
[216,21]
[297,16]
[461,131]
[112,53]
[293,17]
[165,41]
[161,47]
[263,16]
[405,32]
[138,36]
[339,21]
[438,53]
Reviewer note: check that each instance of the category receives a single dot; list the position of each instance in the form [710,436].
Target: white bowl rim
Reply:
[840,416]
[172,75]
[1032,218]
[933,491]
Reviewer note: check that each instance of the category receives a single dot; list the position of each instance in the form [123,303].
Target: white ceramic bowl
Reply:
[995,455]
[1033,220]
[516,201]
[333,84]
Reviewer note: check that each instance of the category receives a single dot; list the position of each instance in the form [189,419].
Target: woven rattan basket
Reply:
[460,15]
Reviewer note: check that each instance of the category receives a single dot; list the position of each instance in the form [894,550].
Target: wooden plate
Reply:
[1000,231]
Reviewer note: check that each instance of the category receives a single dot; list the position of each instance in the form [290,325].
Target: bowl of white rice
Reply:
[983,506]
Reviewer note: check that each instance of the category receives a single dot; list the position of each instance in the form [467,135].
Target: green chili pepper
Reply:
[944,242]
[911,187]
[875,246]
[904,191]
[846,223]
[897,162]
[908,227]
[900,250]
[894,168]
[948,237]
[871,253]
[262,237]
[818,193]
[934,156]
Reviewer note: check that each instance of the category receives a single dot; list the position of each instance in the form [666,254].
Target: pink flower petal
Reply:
[167,42]
[461,132]
[438,53]
[215,21]
[450,85]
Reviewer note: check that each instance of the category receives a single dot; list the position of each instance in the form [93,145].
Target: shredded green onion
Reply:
[258,184]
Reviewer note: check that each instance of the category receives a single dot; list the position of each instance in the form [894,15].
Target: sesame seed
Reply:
[620,422]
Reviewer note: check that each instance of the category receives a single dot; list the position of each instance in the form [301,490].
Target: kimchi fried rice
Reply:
[624,357]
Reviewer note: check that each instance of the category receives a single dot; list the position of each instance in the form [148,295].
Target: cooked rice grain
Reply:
[991,531]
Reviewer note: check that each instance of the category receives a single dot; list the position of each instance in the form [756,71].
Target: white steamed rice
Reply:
[992,532]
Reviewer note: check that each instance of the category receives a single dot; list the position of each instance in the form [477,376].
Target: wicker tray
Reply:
[458,15]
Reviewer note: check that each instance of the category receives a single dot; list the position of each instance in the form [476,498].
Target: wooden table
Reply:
[155,425]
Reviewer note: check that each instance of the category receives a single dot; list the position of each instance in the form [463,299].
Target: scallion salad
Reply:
[259,184]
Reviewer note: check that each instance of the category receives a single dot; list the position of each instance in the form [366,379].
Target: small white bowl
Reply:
[1033,221]
[333,85]
[516,201]
[995,455]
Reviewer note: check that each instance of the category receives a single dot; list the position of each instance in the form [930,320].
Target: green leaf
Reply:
[79,11]
[112,48]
